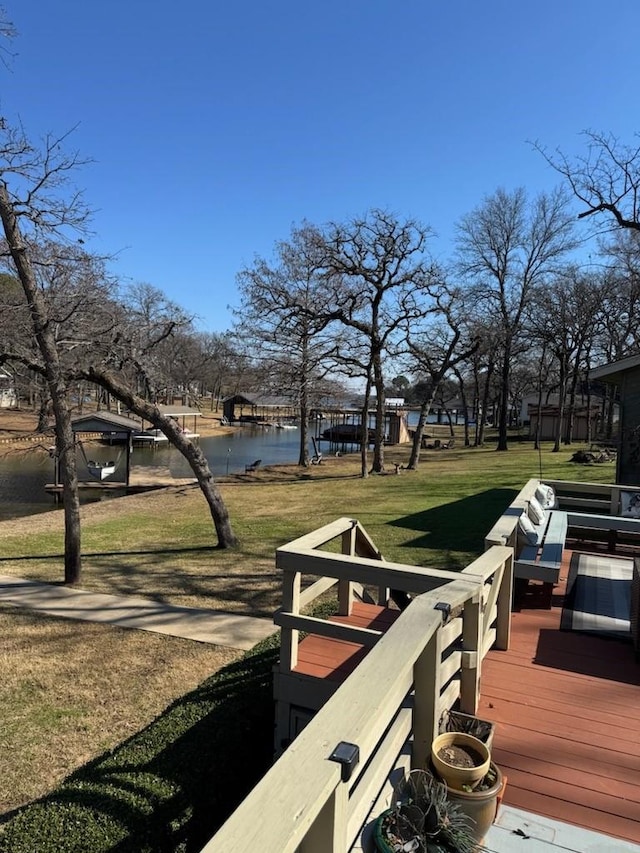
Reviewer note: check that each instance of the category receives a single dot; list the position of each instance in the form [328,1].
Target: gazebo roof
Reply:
[104,422]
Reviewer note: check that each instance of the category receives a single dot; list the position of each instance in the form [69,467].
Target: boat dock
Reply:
[141,479]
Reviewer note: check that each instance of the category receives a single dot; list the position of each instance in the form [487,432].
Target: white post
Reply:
[505,597]
[426,709]
[328,833]
[471,654]
[290,604]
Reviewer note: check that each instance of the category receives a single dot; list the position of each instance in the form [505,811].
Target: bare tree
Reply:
[606,180]
[505,247]
[33,206]
[567,311]
[434,350]
[282,317]
[110,379]
[375,266]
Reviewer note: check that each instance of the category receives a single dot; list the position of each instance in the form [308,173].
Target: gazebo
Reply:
[118,428]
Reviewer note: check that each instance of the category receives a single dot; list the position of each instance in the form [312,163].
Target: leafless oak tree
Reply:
[505,248]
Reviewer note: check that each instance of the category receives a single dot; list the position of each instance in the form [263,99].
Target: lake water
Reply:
[23,476]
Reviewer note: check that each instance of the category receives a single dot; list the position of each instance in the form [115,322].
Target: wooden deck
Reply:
[334,660]
[567,709]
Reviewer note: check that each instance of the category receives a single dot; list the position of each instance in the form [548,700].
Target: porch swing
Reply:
[100,470]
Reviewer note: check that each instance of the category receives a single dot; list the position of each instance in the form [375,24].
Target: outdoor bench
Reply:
[613,523]
[543,560]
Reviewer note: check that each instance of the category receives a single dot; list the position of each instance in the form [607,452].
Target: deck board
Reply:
[324,657]
[567,709]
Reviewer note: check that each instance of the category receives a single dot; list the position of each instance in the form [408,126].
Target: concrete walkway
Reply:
[123,611]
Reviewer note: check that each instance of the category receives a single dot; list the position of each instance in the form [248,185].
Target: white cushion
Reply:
[545,496]
[527,529]
[536,513]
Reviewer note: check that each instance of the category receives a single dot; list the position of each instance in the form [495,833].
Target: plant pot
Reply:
[480,805]
[444,751]
[382,845]
[456,721]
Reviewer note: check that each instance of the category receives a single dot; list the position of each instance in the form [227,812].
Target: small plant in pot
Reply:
[424,820]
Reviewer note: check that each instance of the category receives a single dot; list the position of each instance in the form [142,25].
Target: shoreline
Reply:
[18,430]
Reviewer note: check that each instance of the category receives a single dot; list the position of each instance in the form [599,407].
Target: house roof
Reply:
[613,371]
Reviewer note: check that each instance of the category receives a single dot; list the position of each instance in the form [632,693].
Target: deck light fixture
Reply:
[348,756]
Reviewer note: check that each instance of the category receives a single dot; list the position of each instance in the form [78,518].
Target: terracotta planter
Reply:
[457,777]
[481,806]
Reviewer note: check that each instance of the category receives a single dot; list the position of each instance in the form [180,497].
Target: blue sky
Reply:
[215,127]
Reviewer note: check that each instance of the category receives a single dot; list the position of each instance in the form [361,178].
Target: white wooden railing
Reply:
[388,709]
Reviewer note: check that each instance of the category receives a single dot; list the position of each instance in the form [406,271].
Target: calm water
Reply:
[23,477]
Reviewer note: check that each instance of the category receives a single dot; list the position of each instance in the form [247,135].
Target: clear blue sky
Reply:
[215,127]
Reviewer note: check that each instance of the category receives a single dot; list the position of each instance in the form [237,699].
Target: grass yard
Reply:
[69,691]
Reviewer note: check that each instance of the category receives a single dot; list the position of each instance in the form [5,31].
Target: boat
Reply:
[149,436]
[101,470]
[285,426]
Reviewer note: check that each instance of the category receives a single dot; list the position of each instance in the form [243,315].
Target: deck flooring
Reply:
[567,712]
[566,707]
[324,657]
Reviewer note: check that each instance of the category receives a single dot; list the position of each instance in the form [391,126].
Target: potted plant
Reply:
[460,759]
[424,820]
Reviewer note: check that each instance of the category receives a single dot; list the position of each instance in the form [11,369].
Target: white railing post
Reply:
[505,597]
[290,604]
[471,659]
[345,587]
[426,708]
[328,833]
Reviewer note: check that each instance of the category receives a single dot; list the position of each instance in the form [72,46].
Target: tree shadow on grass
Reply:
[169,787]
[164,552]
[458,526]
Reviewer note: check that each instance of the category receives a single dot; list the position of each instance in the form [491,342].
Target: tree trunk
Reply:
[303,457]
[66,450]
[503,414]
[562,388]
[43,412]
[192,453]
[378,445]
[364,432]
[425,408]
[45,338]
[482,421]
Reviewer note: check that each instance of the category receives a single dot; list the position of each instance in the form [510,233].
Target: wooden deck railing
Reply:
[389,708]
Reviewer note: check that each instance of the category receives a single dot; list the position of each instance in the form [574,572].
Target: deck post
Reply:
[426,707]
[505,597]
[345,587]
[290,604]
[471,660]
[328,832]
